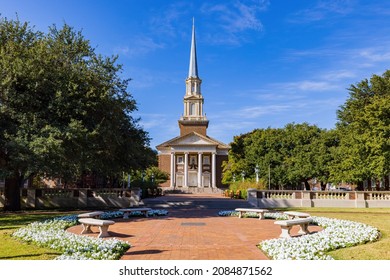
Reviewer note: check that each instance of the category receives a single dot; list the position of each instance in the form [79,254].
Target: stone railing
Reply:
[299,198]
[76,198]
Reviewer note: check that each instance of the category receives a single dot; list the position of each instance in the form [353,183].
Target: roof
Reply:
[194,139]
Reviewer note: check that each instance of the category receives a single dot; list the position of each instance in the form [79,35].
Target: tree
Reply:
[64,110]
[293,154]
[364,130]
[303,150]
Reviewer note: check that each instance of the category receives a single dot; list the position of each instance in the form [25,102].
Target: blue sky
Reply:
[263,63]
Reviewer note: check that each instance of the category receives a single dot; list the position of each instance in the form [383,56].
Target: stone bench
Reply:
[286,226]
[90,214]
[127,211]
[102,224]
[293,215]
[255,210]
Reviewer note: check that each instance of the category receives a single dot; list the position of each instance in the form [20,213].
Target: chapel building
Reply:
[193,159]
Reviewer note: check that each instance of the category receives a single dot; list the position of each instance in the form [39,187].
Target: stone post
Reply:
[83,198]
[360,200]
[31,198]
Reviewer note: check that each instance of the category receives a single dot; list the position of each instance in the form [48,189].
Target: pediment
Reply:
[193,139]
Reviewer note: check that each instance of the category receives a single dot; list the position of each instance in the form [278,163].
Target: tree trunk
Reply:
[12,193]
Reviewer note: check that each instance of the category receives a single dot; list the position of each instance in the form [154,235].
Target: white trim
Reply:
[173,165]
[200,168]
[185,169]
[213,169]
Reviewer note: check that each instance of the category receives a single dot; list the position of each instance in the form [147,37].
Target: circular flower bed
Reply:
[51,233]
[335,234]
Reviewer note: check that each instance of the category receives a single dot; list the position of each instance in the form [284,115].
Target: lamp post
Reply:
[243,175]
[269,176]
[152,177]
[257,173]
[234,177]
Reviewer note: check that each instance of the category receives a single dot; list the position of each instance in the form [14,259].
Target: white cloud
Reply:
[261,110]
[306,85]
[139,46]
[337,75]
[232,19]
[152,120]
[166,24]
[375,55]
[322,10]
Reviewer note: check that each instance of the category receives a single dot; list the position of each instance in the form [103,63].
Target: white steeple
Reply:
[193,115]
[193,70]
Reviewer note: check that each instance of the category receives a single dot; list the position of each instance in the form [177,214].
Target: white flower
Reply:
[336,234]
[52,234]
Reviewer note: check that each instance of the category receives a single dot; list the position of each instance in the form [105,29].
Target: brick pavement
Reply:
[192,230]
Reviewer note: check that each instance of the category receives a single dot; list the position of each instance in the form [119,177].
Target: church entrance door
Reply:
[192,179]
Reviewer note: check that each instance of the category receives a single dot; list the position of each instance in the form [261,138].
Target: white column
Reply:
[200,167]
[173,164]
[186,169]
[213,170]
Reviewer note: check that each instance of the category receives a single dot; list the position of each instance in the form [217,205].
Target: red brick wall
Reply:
[164,163]
[185,129]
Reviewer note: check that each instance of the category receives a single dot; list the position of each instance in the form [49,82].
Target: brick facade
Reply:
[164,163]
[186,128]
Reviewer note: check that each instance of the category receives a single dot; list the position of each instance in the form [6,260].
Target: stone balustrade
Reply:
[44,198]
[300,198]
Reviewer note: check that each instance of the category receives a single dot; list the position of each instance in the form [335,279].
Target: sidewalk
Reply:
[192,230]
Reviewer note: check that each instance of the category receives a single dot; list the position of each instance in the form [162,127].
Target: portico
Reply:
[193,161]
[194,171]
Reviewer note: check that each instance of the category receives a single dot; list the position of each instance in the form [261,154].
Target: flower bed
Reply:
[119,214]
[335,234]
[267,215]
[52,234]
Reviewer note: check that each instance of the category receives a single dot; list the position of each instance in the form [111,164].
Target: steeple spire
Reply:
[193,118]
[193,71]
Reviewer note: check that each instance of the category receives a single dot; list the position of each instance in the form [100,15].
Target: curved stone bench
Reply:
[127,211]
[245,210]
[90,214]
[102,224]
[286,226]
[293,215]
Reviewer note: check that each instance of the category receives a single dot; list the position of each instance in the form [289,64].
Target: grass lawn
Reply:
[11,249]
[379,218]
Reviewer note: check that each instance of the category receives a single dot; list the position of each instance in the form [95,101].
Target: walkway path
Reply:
[193,231]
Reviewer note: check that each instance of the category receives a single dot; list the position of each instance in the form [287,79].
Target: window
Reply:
[206,160]
[192,109]
[180,160]
[193,160]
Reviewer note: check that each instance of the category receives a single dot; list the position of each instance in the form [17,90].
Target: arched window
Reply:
[192,109]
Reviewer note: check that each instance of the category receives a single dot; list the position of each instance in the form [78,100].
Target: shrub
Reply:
[242,188]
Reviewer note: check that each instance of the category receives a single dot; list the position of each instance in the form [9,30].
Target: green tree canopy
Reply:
[293,154]
[364,128]
[64,109]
